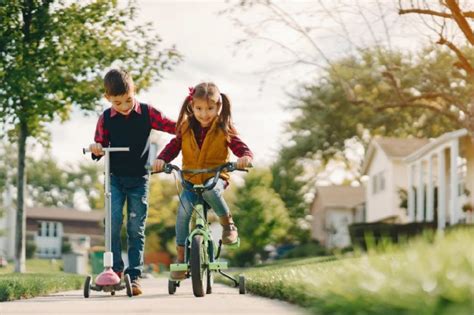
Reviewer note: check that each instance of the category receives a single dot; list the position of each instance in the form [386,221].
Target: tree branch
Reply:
[460,20]
[464,62]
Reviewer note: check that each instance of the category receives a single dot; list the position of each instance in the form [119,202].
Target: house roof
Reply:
[341,196]
[63,214]
[436,143]
[394,148]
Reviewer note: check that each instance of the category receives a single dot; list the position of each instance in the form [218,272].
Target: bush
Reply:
[66,247]
[30,249]
[310,249]
[365,235]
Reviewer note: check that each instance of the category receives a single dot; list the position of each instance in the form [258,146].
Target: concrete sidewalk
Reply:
[155,300]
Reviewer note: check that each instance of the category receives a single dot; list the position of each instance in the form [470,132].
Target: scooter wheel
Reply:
[241,284]
[128,285]
[112,293]
[87,286]
[172,287]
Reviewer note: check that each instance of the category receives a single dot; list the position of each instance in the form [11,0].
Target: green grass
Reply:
[37,266]
[421,277]
[43,276]
[16,286]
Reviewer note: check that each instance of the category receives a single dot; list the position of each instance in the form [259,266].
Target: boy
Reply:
[127,123]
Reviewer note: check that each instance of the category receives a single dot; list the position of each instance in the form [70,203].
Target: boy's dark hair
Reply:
[117,82]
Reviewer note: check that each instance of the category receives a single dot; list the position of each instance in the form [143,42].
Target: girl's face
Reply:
[205,111]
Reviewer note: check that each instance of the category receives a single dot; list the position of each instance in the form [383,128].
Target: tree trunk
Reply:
[20,207]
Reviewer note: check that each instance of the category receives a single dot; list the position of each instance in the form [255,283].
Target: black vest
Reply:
[132,132]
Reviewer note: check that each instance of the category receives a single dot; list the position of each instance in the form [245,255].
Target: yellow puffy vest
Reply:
[214,152]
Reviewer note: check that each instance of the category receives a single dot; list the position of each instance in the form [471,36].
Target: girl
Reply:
[204,133]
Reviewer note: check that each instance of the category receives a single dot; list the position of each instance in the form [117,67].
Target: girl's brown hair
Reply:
[207,91]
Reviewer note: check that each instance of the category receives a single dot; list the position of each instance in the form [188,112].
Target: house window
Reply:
[48,229]
[378,182]
[55,229]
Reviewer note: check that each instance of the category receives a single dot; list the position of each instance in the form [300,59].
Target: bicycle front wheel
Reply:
[197,266]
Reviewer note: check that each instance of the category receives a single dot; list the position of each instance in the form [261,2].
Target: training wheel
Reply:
[241,284]
[87,286]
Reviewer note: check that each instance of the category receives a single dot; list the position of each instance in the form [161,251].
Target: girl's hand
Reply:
[96,149]
[158,165]
[243,162]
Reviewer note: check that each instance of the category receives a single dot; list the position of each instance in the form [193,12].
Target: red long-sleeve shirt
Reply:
[158,122]
[172,149]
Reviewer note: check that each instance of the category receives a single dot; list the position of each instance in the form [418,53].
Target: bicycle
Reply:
[201,252]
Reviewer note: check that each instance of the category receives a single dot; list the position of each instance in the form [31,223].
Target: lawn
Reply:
[43,277]
[421,277]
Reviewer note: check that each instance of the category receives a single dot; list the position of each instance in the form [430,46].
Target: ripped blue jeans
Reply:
[214,198]
[134,190]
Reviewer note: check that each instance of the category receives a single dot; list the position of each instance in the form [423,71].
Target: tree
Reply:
[260,215]
[445,15]
[53,53]
[58,186]
[163,204]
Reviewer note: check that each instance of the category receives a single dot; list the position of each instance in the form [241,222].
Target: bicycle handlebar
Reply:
[229,166]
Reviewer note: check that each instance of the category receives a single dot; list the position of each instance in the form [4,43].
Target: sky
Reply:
[206,39]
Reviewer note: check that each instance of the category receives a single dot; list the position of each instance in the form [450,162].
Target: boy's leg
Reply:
[216,200]
[137,211]
[118,200]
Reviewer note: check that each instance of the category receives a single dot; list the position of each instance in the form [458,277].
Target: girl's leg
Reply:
[183,218]
[216,200]
[185,210]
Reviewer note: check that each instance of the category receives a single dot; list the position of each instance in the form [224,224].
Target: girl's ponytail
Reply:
[185,114]
[225,119]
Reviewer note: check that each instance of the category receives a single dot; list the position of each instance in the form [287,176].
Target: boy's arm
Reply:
[101,136]
[160,121]
[171,150]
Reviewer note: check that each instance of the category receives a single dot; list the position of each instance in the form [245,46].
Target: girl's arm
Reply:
[161,122]
[171,150]
[239,148]
[242,151]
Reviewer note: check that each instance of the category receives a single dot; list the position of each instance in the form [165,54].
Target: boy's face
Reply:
[122,103]
[205,111]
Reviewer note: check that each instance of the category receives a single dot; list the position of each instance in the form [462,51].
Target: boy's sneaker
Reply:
[136,287]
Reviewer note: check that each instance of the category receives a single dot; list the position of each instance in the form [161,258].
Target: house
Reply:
[387,170]
[441,180]
[333,209]
[49,228]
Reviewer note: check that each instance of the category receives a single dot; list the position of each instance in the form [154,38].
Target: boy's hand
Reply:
[243,162]
[96,149]
[158,165]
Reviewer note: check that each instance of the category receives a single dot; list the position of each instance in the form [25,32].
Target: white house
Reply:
[387,171]
[333,209]
[49,228]
[441,180]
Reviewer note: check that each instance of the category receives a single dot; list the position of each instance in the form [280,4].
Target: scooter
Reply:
[108,280]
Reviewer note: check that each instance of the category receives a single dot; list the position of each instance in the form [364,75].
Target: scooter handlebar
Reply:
[114,149]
